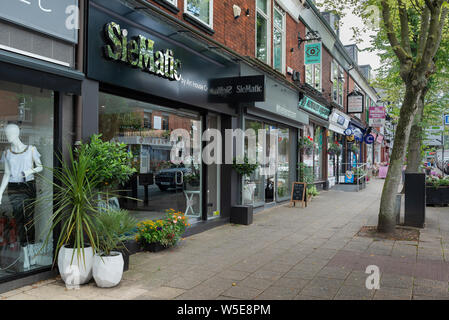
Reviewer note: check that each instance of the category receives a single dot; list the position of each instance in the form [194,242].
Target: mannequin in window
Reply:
[21,163]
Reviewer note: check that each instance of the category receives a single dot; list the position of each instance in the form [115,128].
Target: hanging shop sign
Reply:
[237,89]
[355,102]
[312,106]
[369,139]
[338,121]
[349,132]
[377,116]
[312,53]
[56,18]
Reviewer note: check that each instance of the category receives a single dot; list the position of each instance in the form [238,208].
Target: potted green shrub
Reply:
[437,190]
[113,228]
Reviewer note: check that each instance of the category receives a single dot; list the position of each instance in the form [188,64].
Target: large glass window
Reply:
[253,186]
[201,10]
[159,184]
[338,80]
[26,148]
[262,27]
[283,168]
[279,39]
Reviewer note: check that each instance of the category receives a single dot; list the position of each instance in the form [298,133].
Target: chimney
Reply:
[353,52]
[366,71]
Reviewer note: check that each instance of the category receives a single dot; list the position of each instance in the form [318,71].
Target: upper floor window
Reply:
[262,30]
[338,80]
[201,10]
[313,75]
[279,39]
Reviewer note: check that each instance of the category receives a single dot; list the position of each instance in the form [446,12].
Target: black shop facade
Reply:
[147,79]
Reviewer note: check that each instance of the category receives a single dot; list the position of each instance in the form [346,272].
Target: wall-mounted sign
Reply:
[349,132]
[355,103]
[314,107]
[312,53]
[369,139]
[149,61]
[377,116]
[56,18]
[237,89]
[139,52]
[446,120]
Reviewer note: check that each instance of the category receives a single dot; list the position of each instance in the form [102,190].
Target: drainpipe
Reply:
[79,67]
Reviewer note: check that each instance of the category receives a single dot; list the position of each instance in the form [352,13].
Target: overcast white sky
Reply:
[346,34]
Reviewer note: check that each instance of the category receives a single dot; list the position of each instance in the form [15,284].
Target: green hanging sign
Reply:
[312,53]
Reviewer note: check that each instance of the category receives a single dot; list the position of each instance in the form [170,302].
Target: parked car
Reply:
[171,178]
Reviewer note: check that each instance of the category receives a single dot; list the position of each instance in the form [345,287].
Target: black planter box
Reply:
[242,215]
[154,247]
[415,200]
[437,196]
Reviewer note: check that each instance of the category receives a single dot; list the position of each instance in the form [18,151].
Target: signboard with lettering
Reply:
[299,194]
[377,116]
[130,50]
[237,89]
[355,103]
[56,18]
[312,53]
[314,107]
[446,120]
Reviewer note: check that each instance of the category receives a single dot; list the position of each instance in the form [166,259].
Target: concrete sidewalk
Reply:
[288,253]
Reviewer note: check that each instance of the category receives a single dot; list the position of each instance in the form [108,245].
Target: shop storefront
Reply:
[148,80]
[338,123]
[315,159]
[37,89]
[280,121]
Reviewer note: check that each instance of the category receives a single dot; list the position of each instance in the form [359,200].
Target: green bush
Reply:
[110,160]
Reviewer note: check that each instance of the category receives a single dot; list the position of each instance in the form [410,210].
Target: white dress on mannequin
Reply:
[20,163]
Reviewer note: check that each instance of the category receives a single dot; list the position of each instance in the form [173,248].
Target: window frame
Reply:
[278,8]
[211,14]
[267,17]
[338,80]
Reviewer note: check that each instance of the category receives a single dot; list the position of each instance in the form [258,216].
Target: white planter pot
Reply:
[79,271]
[108,271]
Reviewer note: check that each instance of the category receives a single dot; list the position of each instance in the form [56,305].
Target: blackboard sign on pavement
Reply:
[299,194]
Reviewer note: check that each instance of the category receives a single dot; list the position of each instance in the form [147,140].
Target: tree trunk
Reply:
[414,145]
[387,218]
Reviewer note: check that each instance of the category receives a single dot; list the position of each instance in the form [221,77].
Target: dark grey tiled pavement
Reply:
[288,253]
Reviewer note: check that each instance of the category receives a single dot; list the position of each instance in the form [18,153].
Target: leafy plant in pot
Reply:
[114,227]
[74,197]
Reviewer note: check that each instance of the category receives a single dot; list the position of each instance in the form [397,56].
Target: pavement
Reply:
[288,253]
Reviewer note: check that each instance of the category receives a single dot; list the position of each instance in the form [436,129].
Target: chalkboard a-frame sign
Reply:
[299,194]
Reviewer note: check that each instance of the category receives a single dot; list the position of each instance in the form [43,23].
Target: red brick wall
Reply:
[295,59]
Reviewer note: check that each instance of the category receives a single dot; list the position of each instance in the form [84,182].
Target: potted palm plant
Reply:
[114,227]
[74,198]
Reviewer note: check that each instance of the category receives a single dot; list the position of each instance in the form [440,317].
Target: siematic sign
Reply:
[237,89]
[128,49]
[139,52]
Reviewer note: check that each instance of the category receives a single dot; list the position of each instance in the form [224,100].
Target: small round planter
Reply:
[154,247]
[108,270]
[80,270]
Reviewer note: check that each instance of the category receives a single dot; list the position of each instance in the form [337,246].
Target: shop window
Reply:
[262,31]
[279,39]
[159,183]
[147,120]
[201,10]
[26,145]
